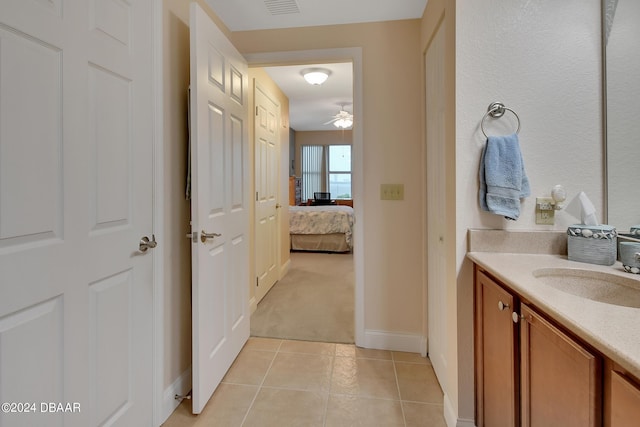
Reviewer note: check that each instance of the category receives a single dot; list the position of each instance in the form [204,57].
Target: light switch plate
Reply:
[391,191]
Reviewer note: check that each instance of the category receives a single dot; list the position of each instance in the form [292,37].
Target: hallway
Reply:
[298,383]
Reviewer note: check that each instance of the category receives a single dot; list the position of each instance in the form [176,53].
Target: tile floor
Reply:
[296,383]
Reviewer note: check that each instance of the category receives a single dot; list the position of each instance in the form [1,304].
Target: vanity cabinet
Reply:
[622,398]
[529,372]
[496,355]
[560,379]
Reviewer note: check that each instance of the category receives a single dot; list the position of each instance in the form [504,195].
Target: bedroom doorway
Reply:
[302,264]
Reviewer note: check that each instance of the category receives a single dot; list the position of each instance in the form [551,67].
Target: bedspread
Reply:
[322,220]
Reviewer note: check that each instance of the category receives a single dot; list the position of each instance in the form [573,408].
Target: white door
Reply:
[267,154]
[436,202]
[219,207]
[75,199]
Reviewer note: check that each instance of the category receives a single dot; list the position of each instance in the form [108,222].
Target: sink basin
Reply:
[594,285]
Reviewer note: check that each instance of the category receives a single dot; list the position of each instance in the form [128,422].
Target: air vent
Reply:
[282,7]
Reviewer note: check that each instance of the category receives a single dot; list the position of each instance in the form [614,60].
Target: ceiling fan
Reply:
[342,120]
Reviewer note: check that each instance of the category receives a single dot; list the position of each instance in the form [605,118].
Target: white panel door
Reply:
[267,153]
[75,199]
[436,215]
[219,210]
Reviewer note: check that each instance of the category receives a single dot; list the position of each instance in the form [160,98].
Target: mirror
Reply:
[621,50]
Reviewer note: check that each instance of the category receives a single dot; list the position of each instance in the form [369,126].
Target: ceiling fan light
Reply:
[343,123]
[315,76]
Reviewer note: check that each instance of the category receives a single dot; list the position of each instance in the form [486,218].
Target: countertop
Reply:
[611,329]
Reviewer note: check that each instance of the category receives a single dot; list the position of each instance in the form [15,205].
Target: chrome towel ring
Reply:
[495,111]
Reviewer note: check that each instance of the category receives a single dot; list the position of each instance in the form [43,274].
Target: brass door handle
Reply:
[204,236]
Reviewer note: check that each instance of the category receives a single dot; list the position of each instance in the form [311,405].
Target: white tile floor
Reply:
[296,383]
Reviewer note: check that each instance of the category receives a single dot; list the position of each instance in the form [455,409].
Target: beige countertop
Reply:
[611,329]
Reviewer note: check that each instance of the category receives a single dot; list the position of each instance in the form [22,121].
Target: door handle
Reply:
[145,243]
[204,236]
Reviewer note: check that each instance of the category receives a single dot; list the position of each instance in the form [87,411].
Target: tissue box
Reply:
[595,244]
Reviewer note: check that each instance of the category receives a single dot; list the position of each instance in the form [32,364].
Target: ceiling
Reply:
[243,15]
[312,106]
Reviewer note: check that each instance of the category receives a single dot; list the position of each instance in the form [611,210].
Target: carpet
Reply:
[314,301]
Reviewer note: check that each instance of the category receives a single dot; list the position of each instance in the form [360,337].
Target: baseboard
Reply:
[396,341]
[424,346]
[451,418]
[253,305]
[181,386]
[284,268]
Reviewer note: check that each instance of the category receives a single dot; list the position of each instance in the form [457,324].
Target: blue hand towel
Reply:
[503,181]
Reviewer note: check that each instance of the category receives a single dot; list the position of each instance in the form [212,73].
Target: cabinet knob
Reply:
[502,306]
[516,317]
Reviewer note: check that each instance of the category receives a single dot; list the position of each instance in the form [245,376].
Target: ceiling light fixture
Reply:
[343,119]
[343,123]
[315,76]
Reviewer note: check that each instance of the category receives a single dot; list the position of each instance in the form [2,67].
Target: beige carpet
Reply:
[313,302]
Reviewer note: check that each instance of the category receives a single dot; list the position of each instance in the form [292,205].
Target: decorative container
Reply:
[593,244]
[630,256]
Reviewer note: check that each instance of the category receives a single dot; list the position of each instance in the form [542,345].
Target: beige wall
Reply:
[177,211]
[392,153]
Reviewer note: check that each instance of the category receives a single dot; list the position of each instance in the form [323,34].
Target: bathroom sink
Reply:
[594,285]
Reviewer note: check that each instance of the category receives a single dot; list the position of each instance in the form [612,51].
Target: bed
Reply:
[321,228]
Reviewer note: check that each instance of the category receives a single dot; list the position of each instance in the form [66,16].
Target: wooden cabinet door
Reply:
[496,355]
[560,379]
[623,401]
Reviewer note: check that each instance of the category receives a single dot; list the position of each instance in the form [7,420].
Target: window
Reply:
[340,171]
[326,168]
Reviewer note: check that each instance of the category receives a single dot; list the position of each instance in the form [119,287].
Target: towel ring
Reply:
[497,110]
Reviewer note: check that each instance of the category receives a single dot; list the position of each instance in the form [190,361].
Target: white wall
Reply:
[542,59]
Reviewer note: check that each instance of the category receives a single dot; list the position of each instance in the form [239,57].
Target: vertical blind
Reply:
[313,170]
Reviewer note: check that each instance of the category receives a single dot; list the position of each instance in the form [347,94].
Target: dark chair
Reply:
[321,198]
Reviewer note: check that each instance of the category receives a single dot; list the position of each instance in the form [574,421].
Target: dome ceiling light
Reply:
[315,76]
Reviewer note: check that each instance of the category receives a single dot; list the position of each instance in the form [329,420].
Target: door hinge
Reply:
[256,111]
[256,281]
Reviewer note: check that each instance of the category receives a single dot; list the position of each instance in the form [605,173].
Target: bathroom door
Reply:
[219,206]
